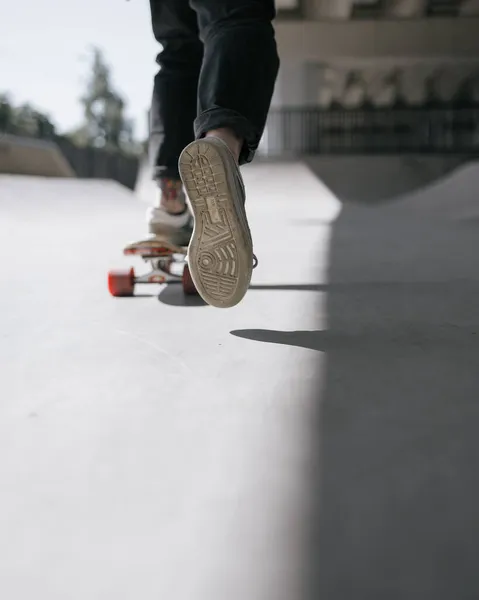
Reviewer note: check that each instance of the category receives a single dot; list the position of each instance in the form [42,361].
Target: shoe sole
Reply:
[178,238]
[220,253]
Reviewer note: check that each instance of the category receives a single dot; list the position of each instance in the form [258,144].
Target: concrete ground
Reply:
[318,441]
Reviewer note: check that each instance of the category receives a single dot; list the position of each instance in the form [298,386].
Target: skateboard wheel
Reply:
[121,283]
[188,285]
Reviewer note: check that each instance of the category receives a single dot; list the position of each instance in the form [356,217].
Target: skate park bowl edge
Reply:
[25,156]
[370,179]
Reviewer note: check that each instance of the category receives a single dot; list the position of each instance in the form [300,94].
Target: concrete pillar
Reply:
[384,87]
[330,9]
[291,90]
[407,9]
[291,86]
[355,90]
[470,8]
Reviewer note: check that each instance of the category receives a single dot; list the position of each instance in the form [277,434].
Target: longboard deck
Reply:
[155,248]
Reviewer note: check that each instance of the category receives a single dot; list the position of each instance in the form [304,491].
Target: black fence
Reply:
[96,163]
[88,162]
[303,131]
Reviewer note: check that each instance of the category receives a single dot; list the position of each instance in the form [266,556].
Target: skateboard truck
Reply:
[162,256]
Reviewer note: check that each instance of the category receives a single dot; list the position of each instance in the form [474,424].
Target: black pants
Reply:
[218,69]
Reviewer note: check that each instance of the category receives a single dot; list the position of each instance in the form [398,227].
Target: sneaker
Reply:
[220,253]
[175,226]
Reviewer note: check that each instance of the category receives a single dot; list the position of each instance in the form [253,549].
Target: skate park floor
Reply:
[318,441]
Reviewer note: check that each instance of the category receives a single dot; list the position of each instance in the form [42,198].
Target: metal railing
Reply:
[302,131]
[96,163]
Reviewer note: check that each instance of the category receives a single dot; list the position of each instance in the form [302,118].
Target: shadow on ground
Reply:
[173,295]
[395,446]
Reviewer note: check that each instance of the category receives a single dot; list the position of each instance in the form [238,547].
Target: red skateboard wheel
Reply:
[188,285]
[121,283]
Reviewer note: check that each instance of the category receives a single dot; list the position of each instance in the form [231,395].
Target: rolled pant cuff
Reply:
[166,172]
[216,118]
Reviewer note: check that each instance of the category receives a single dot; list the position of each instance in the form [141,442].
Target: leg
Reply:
[239,69]
[237,80]
[174,102]
[173,111]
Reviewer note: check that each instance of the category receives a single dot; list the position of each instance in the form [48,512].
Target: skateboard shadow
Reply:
[173,295]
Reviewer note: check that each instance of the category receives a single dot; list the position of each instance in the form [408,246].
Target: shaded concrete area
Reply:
[317,441]
[450,198]
[397,487]
[394,449]
[375,179]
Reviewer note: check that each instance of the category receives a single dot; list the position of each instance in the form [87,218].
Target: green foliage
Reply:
[105,123]
[24,120]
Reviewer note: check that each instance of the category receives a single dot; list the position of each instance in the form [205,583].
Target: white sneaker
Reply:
[175,227]
[220,253]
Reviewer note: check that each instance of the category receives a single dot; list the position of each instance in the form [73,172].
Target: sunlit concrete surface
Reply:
[316,441]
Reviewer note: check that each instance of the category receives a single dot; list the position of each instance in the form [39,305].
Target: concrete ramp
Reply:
[318,441]
[24,156]
[67,193]
[143,450]
[376,179]
[453,197]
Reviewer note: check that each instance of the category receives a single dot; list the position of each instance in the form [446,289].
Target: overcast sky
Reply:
[42,44]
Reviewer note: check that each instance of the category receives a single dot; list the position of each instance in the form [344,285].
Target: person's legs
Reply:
[239,68]
[173,111]
[236,84]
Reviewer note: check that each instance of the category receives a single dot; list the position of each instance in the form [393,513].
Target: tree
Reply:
[106,125]
[24,120]
[6,114]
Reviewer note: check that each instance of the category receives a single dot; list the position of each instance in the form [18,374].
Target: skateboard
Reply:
[162,256]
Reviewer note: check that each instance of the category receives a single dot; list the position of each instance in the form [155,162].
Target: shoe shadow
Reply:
[376,343]
[314,340]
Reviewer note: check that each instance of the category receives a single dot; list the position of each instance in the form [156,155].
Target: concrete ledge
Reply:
[25,156]
[373,179]
[383,40]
